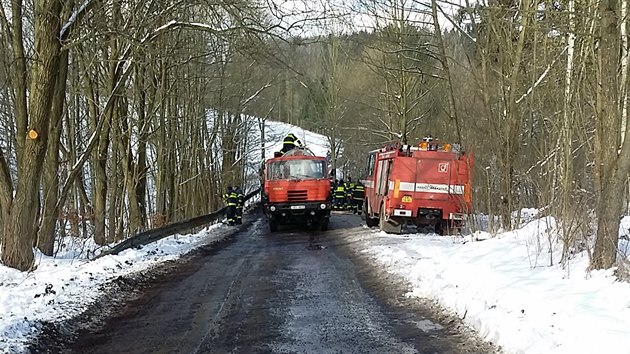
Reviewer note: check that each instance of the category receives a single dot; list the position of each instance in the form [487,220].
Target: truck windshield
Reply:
[296,169]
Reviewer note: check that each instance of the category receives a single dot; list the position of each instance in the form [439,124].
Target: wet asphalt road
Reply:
[294,291]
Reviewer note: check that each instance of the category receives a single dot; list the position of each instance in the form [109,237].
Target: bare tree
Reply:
[32,133]
[123,103]
[404,62]
[612,163]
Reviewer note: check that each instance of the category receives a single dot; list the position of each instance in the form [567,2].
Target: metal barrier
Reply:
[149,236]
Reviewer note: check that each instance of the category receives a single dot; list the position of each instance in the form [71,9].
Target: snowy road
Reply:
[277,293]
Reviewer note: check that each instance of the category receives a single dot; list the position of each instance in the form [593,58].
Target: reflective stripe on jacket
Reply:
[231,199]
[359,192]
[290,139]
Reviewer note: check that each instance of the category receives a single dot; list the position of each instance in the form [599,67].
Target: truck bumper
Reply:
[294,213]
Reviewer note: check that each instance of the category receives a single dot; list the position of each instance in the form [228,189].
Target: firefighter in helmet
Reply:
[340,195]
[290,142]
[231,201]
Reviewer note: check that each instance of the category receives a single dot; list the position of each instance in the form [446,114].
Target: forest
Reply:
[119,116]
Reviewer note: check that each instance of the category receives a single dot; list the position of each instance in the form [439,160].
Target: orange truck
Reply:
[296,190]
[426,185]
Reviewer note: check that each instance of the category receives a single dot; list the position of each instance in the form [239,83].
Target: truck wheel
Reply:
[369,221]
[273,225]
[441,228]
[385,226]
[381,219]
[323,225]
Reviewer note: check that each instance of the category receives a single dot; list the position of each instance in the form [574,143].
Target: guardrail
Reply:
[149,236]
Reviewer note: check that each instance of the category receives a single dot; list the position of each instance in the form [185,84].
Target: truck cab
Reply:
[296,190]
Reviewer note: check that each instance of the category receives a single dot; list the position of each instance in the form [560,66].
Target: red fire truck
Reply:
[426,185]
[296,190]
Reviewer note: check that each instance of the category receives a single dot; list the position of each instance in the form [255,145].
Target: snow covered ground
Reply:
[505,289]
[65,285]
[501,286]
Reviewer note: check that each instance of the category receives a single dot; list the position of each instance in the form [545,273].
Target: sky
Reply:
[502,285]
[319,17]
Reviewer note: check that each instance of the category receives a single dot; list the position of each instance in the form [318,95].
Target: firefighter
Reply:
[349,193]
[239,205]
[231,200]
[340,195]
[290,142]
[358,195]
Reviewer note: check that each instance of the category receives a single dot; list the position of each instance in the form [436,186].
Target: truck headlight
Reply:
[322,206]
[272,208]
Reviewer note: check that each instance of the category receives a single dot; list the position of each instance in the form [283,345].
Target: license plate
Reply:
[406,199]
[298,207]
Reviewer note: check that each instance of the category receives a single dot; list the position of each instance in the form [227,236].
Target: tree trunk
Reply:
[611,169]
[452,109]
[609,208]
[513,119]
[20,230]
[99,199]
[170,164]
[566,140]
[100,189]
[46,237]
[19,77]
[6,187]
[72,208]
[162,152]
[140,167]
[50,212]
[128,168]
[115,193]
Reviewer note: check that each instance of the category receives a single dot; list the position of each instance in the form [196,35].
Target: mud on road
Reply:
[293,291]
